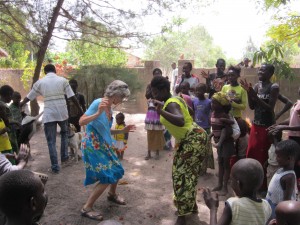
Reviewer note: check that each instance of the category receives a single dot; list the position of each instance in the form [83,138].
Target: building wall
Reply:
[137,102]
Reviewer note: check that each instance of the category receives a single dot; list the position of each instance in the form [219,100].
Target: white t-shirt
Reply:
[174,77]
[53,88]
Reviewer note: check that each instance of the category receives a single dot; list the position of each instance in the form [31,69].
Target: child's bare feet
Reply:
[180,220]
[218,188]
[157,155]
[148,156]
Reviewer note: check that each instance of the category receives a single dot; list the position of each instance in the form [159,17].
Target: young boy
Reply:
[23,197]
[74,114]
[272,164]
[183,92]
[282,186]
[222,133]
[6,93]
[15,110]
[210,78]
[245,209]
[262,99]
[287,213]
[202,107]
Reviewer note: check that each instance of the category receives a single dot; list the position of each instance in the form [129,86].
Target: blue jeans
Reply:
[50,132]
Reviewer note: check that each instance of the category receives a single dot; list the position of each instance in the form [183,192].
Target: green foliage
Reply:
[93,80]
[194,44]
[287,28]
[27,75]
[273,54]
[93,54]
[274,3]
[17,60]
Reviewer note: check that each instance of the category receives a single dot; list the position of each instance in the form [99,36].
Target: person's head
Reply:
[160,88]
[173,65]
[6,93]
[220,65]
[220,102]
[16,98]
[22,196]
[265,72]
[118,91]
[157,72]
[49,68]
[246,62]
[187,68]
[247,176]
[200,90]
[286,152]
[184,87]
[120,118]
[288,213]
[234,72]
[74,85]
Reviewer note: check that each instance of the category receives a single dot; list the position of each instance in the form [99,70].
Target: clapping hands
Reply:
[211,199]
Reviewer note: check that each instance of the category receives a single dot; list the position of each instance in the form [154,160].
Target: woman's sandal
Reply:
[91,214]
[116,199]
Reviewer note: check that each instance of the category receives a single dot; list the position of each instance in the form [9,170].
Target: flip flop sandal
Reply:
[116,199]
[91,214]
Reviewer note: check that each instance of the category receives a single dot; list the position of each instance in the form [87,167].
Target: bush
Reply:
[93,80]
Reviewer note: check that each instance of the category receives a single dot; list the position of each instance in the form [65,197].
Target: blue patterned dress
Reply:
[100,161]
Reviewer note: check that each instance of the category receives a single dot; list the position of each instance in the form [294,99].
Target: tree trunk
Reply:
[42,51]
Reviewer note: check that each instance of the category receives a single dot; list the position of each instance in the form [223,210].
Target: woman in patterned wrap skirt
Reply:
[192,146]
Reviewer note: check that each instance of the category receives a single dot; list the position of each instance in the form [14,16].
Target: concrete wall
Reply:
[137,103]
[12,77]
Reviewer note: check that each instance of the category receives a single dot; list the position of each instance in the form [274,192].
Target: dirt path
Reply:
[148,192]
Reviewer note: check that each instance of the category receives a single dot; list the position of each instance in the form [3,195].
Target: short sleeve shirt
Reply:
[53,88]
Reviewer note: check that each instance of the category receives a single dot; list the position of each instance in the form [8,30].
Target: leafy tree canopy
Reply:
[195,44]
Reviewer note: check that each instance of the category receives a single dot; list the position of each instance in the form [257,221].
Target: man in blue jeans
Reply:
[54,88]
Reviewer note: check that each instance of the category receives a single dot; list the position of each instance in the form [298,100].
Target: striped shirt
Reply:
[248,212]
[53,88]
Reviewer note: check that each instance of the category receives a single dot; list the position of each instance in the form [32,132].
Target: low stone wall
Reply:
[137,102]
[12,77]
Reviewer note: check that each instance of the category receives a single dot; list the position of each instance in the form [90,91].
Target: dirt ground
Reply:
[148,193]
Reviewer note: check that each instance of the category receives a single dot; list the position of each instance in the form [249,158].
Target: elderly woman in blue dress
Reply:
[101,163]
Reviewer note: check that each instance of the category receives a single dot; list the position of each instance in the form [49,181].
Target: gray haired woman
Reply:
[102,166]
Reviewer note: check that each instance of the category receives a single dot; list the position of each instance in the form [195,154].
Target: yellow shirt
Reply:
[120,137]
[4,139]
[237,93]
[178,132]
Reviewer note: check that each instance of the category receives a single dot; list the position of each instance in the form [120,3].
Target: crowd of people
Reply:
[263,168]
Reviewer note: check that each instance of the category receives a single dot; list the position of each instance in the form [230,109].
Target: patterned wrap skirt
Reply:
[190,160]
[100,161]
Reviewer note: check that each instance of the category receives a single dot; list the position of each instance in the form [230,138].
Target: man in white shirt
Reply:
[54,88]
[174,76]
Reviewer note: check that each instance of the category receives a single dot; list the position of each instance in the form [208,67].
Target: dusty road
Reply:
[148,192]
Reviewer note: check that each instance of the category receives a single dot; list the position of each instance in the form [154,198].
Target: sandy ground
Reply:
[148,193]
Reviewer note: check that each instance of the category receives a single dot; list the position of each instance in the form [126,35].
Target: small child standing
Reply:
[272,164]
[121,139]
[16,112]
[222,132]
[202,107]
[244,209]
[282,186]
